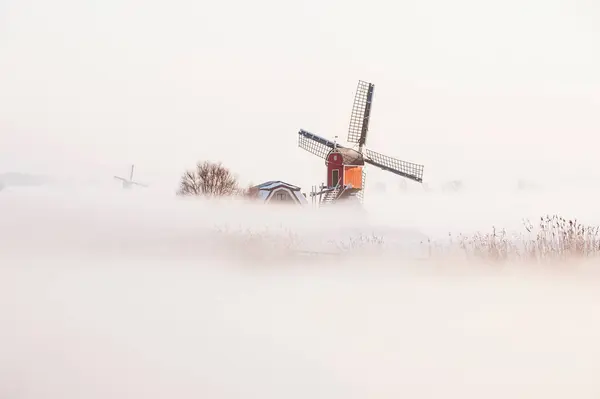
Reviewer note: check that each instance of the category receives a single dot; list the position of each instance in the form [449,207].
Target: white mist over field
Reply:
[106,293]
[130,294]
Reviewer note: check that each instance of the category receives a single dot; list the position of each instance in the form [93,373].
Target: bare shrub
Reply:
[208,179]
[250,191]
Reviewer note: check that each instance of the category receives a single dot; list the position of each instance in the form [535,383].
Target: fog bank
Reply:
[126,295]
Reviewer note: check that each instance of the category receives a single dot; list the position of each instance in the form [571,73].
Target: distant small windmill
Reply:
[345,174]
[127,183]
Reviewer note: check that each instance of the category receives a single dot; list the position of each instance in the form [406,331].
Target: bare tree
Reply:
[208,179]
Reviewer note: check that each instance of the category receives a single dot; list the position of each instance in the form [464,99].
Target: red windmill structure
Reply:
[345,165]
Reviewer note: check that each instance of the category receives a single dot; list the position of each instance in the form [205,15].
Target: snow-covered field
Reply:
[137,295]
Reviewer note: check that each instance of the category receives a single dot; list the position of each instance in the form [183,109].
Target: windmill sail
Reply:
[361,112]
[127,183]
[409,170]
[361,193]
[314,144]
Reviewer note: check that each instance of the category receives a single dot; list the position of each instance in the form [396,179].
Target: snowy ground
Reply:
[127,295]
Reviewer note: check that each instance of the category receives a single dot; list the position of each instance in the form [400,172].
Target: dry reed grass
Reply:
[282,243]
[552,239]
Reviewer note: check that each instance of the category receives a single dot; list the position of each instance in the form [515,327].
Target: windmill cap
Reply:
[349,156]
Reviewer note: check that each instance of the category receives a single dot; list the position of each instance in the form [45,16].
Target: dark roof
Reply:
[272,184]
[350,156]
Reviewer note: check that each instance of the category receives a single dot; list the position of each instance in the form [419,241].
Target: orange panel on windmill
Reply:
[353,176]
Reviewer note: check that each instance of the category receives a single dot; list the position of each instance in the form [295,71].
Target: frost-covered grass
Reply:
[551,240]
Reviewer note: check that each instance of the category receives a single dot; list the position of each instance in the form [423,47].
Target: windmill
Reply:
[345,165]
[127,183]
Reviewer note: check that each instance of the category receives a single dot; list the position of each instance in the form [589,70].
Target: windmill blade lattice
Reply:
[314,144]
[409,170]
[361,111]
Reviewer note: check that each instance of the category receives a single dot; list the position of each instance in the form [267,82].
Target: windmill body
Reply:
[345,165]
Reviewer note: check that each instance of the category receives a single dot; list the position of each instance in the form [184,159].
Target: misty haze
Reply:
[190,205]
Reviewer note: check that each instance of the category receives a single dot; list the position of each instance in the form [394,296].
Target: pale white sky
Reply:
[468,88]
